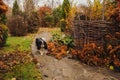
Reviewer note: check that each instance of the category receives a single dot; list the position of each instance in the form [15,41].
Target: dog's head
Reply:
[40,43]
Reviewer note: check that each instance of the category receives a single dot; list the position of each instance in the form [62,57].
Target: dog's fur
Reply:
[41,46]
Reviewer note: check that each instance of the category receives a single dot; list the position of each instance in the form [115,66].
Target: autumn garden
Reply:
[20,23]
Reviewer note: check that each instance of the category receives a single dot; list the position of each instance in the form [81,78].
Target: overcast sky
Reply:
[43,2]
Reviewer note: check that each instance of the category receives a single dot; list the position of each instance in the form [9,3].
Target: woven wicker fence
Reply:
[86,32]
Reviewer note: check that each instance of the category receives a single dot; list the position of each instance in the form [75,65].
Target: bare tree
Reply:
[28,6]
[90,8]
[31,15]
[8,1]
[53,3]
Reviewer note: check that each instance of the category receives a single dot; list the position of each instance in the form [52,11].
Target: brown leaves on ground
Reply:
[57,50]
[9,60]
[60,51]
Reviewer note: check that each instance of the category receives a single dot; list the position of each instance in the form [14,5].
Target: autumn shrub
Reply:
[17,26]
[92,55]
[110,41]
[3,34]
[112,49]
[43,12]
[3,7]
[115,56]
[3,28]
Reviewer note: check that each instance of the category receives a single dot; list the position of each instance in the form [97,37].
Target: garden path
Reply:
[69,69]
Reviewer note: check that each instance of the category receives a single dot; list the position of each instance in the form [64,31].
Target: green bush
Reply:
[17,26]
[49,20]
[57,15]
[63,25]
[63,39]
[3,34]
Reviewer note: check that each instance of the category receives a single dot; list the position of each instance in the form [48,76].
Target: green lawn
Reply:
[17,43]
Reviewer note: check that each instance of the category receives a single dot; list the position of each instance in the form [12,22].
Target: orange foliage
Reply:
[52,48]
[43,11]
[115,55]
[74,52]
[109,47]
[91,55]
[57,50]
[117,62]
[91,45]
[61,54]
[117,35]
[11,59]
[3,66]
[3,7]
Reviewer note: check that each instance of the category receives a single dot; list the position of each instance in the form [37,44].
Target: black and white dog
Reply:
[41,46]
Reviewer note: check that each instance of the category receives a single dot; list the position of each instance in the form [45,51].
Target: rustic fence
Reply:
[86,32]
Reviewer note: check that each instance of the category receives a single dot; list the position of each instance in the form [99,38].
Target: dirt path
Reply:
[69,69]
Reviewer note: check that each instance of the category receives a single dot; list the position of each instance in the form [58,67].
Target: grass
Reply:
[27,71]
[17,43]
[23,71]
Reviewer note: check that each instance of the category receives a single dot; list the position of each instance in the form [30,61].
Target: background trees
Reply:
[57,15]
[45,13]
[65,12]
[95,9]
[16,23]
[16,9]
[31,15]
[65,8]
[62,14]
[28,7]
